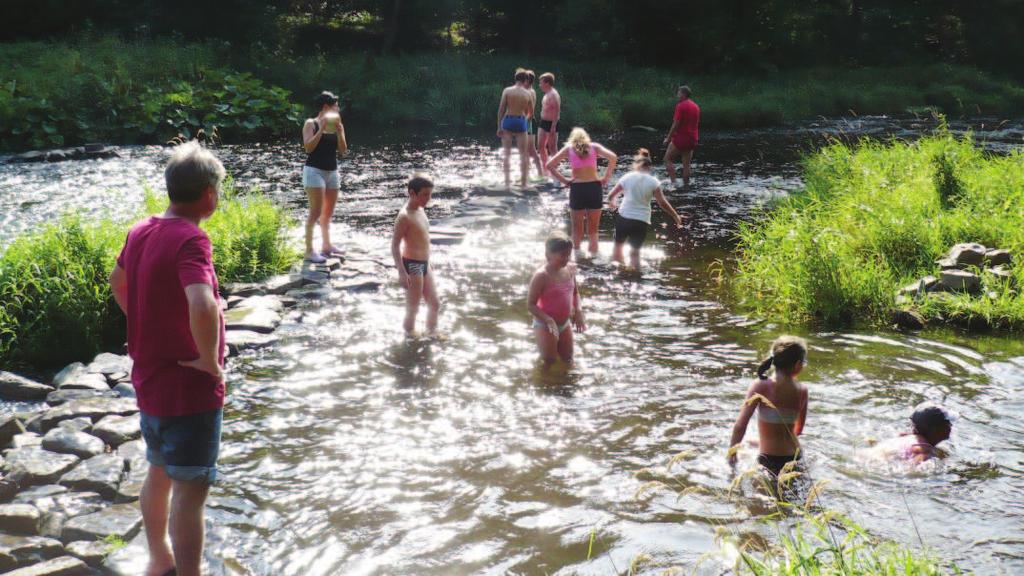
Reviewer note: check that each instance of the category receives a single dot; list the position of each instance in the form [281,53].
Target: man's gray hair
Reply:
[191,170]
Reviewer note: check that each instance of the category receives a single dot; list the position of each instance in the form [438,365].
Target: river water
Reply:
[349,449]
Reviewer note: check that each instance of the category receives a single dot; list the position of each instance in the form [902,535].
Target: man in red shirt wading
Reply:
[682,137]
[165,283]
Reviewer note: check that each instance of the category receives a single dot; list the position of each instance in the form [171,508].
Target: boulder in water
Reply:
[15,387]
[116,430]
[32,465]
[909,319]
[100,474]
[92,408]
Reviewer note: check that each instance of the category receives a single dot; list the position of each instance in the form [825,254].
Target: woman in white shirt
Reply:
[638,188]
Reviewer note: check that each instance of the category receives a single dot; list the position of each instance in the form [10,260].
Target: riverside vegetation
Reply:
[873,217]
[57,302]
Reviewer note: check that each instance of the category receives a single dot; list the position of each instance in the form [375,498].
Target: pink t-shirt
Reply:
[161,257]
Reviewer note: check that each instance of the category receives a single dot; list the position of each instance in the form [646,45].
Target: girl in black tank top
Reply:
[325,155]
[320,175]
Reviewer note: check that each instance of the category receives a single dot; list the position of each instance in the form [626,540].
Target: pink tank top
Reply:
[556,299]
[589,160]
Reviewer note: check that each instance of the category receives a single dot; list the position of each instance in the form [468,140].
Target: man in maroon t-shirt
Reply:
[682,137]
[165,283]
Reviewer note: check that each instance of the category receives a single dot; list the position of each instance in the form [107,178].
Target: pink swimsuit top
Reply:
[577,162]
[556,299]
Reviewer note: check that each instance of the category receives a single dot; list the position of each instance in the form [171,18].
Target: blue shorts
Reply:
[514,124]
[186,447]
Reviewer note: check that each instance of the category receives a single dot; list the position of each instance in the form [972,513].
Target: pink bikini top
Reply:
[589,160]
[556,299]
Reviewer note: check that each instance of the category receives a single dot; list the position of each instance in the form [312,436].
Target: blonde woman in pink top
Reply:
[586,188]
[554,301]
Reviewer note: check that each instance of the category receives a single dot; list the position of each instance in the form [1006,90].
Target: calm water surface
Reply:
[349,449]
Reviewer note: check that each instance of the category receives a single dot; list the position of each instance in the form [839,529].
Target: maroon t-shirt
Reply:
[161,257]
[687,114]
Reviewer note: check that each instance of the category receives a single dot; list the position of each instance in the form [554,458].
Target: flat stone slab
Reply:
[239,340]
[92,553]
[58,508]
[116,430]
[100,474]
[93,408]
[121,520]
[39,493]
[280,285]
[110,364]
[260,320]
[15,387]
[997,257]
[242,289]
[313,292]
[81,424]
[26,440]
[33,466]
[62,566]
[129,560]
[959,281]
[260,302]
[358,285]
[134,454]
[64,441]
[63,396]
[10,427]
[29,549]
[76,376]
[124,389]
[310,276]
[967,254]
[20,519]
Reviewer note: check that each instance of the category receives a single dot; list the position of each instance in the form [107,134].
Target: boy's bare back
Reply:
[413,228]
[518,101]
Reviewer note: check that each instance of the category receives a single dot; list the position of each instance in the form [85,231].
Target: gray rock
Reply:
[92,553]
[109,364]
[996,257]
[29,549]
[93,408]
[34,423]
[313,292]
[77,376]
[19,519]
[241,289]
[124,389]
[82,424]
[282,284]
[959,281]
[1000,272]
[260,302]
[920,287]
[130,560]
[58,397]
[288,302]
[15,387]
[8,489]
[63,441]
[446,240]
[100,474]
[134,454]
[234,301]
[38,493]
[116,430]
[121,520]
[62,566]
[26,440]
[58,508]
[359,285]
[10,427]
[946,263]
[314,277]
[256,319]
[968,254]
[33,466]
[239,340]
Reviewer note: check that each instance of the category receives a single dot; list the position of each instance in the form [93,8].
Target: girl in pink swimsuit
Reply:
[554,301]
[931,424]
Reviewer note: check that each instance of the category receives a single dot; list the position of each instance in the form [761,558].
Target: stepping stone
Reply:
[92,408]
[58,508]
[62,566]
[959,281]
[26,440]
[134,454]
[260,320]
[10,427]
[258,302]
[280,285]
[24,550]
[33,466]
[63,441]
[77,377]
[314,277]
[359,285]
[82,424]
[1000,272]
[19,519]
[125,390]
[58,397]
[120,520]
[129,560]
[239,340]
[241,289]
[312,292]
[15,387]
[92,553]
[39,493]
[116,430]
[968,254]
[997,257]
[109,364]
[100,474]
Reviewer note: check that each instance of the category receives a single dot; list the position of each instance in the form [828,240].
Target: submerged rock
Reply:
[261,320]
[19,519]
[116,430]
[93,408]
[32,466]
[282,284]
[63,441]
[15,387]
[909,320]
[100,474]
[239,340]
[120,520]
[62,566]
[313,292]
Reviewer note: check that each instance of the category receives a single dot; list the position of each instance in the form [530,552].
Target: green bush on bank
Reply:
[53,283]
[874,217]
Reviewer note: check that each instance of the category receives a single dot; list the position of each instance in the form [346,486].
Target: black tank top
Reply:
[325,155]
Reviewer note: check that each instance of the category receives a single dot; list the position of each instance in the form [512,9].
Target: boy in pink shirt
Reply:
[165,283]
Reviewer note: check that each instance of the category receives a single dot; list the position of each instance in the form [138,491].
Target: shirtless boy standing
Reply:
[531,133]
[410,247]
[550,111]
[514,112]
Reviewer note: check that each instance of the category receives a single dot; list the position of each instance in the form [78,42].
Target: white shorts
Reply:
[317,178]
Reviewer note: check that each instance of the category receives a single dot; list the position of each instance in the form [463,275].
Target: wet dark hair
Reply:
[418,182]
[928,419]
[323,99]
[685,90]
[642,157]
[557,242]
[520,75]
[787,351]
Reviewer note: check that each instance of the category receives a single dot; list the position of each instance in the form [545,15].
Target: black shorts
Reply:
[415,267]
[774,464]
[548,125]
[635,231]
[586,195]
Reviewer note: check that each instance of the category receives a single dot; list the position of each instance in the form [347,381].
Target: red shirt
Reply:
[688,116]
[161,257]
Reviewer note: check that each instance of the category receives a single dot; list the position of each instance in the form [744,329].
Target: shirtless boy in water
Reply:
[550,112]
[410,247]
[514,112]
[531,133]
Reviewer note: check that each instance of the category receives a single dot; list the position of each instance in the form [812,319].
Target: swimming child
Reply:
[410,247]
[637,189]
[931,424]
[781,404]
[554,301]
[586,188]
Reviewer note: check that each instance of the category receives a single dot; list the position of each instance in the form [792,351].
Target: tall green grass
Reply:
[57,306]
[874,217]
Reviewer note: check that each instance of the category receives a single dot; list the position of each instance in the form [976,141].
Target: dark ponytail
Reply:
[787,352]
[762,370]
[642,158]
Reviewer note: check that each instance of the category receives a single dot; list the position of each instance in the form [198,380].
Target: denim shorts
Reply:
[186,447]
[317,178]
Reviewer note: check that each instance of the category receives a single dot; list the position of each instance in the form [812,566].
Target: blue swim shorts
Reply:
[514,124]
[186,447]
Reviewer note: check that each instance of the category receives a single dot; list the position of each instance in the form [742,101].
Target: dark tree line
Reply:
[698,35]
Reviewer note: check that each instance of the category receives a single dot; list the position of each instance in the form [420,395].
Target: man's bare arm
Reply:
[119,287]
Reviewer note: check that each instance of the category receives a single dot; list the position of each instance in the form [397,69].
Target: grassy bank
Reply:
[53,283]
[53,94]
[874,217]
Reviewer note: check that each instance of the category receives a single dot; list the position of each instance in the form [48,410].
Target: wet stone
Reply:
[116,430]
[64,441]
[261,320]
[359,285]
[10,427]
[233,301]
[32,466]
[15,387]
[129,560]
[109,364]
[120,520]
[282,284]
[82,424]
[26,440]
[260,302]
[93,408]
[125,390]
[62,566]
[242,289]
[77,376]
[8,489]
[34,423]
[313,292]
[38,493]
[100,474]
[19,519]
[134,454]
[310,276]
[58,397]
[27,550]
[239,340]
[92,553]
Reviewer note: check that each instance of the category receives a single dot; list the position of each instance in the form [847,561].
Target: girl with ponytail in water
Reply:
[586,188]
[638,188]
[781,404]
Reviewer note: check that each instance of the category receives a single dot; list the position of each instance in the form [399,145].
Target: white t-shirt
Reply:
[637,192]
